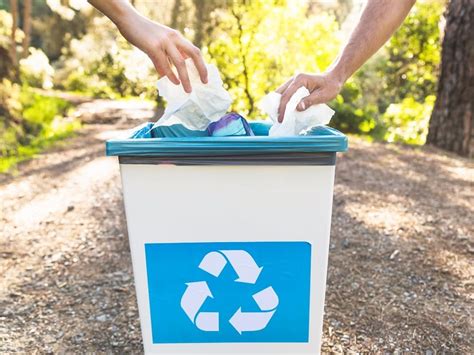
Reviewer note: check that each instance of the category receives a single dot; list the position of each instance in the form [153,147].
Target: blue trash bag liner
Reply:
[145,142]
[231,124]
[176,131]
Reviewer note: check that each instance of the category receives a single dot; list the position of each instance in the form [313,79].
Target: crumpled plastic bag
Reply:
[294,122]
[231,124]
[195,111]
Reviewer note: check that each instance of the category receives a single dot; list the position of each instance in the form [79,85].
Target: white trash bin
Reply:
[229,240]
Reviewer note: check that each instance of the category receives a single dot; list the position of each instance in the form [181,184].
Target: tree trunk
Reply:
[26,26]
[452,120]
[14,13]
[202,10]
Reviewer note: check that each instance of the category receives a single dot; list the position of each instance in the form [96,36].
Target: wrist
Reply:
[337,74]
[134,28]
[124,16]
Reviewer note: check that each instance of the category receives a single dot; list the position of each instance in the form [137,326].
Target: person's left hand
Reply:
[322,87]
[165,47]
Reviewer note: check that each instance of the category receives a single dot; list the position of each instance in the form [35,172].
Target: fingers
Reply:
[178,61]
[286,96]
[316,97]
[323,91]
[174,49]
[283,87]
[162,66]
[195,54]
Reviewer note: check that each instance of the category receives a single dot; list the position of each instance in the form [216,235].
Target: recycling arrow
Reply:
[208,321]
[194,297]
[213,263]
[267,301]
[244,265]
[250,321]
[248,271]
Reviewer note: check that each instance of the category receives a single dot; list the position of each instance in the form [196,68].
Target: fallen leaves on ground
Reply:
[400,266]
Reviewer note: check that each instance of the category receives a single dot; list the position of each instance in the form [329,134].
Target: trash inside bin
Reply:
[229,238]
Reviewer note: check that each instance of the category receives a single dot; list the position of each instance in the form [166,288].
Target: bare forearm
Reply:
[116,10]
[162,44]
[378,21]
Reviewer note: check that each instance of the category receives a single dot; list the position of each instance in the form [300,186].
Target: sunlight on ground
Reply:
[459,265]
[74,187]
[388,218]
[459,171]
[114,134]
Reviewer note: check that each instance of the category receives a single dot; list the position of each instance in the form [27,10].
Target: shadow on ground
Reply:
[399,273]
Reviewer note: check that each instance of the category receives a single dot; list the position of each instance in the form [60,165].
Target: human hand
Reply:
[322,87]
[164,46]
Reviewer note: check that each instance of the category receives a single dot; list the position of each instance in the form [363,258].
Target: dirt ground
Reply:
[400,269]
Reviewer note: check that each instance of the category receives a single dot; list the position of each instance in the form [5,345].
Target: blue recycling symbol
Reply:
[248,272]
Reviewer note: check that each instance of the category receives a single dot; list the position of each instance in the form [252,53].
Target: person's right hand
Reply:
[322,87]
[164,46]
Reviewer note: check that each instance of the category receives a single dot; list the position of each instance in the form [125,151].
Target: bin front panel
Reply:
[186,212]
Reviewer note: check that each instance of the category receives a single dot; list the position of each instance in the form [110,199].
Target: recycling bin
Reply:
[229,239]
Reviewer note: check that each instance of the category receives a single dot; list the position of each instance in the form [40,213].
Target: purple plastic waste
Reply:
[231,124]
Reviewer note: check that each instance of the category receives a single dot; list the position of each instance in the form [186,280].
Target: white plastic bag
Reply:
[294,122]
[196,110]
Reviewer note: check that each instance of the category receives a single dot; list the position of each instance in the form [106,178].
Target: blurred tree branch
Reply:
[26,26]
[244,50]
[14,13]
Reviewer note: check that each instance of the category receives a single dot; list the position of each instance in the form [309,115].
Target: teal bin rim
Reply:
[319,139]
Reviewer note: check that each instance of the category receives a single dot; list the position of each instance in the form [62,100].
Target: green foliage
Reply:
[29,123]
[53,31]
[35,70]
[413,55]
[50,136]
[352,114]
[5,28]
[40,111]
[258,45]
[6,64]
[10,109]
[10,105]
[102,64]
[399,81]
[408,121]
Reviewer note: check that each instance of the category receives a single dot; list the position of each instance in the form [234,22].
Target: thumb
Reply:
[313,99]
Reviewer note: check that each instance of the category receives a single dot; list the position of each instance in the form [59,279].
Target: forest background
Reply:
[53,45]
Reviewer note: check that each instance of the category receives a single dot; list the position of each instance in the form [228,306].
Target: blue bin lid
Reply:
[319,139]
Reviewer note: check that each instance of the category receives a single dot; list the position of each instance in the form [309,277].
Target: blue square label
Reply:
[229,292]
